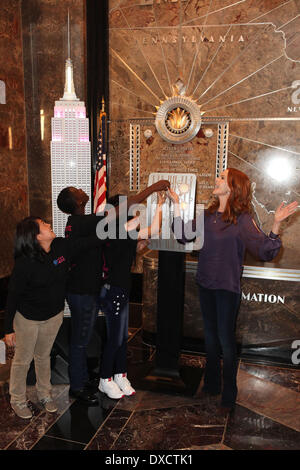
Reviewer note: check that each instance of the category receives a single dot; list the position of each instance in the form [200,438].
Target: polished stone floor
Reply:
[267,415]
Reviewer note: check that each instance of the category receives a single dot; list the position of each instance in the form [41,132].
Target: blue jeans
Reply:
[84,311]
[219,310]
[114,356]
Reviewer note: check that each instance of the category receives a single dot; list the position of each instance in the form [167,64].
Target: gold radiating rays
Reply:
[134,74]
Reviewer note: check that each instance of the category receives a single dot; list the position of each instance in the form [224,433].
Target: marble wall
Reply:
[13,161]
[34,49]
[266,320]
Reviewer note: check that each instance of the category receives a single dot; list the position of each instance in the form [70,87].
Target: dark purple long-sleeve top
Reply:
[220,261]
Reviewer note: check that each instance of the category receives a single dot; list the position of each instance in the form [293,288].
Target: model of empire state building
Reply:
[70,148]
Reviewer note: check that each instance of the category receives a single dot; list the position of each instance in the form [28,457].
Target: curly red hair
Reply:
[239,200]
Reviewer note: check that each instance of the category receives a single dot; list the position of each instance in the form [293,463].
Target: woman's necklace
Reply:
[216,217]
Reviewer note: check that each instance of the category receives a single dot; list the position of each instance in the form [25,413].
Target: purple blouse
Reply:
[220,261]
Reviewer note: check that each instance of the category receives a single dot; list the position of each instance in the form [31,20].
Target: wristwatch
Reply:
[273,236]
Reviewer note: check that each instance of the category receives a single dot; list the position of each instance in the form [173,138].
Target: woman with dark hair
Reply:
[35,305]
[229,230]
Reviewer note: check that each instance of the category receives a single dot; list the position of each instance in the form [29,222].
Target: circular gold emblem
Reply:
[178,120]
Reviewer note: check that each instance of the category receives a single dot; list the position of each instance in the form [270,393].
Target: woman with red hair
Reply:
[229,230]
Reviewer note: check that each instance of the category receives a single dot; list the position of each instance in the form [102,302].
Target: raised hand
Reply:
[173,196]
[282,212]
[161,197]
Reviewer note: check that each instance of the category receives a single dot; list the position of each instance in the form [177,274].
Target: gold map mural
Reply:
[240,62]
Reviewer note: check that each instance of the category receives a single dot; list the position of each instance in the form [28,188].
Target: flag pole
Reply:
[100,175]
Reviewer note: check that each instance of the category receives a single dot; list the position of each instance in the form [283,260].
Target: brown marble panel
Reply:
[289,378]
[266,321]
[109,432]
[13,164]
[160,429]
[192,11]
[138,14]
[209,447]
[222,11]
[247,430]
[230,13]
[261,322]
[11,426]
[146,400]
[275,402]
[39,426]
[256,149]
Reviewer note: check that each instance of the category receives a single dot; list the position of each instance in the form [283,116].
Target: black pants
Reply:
[219,309]
[84,311]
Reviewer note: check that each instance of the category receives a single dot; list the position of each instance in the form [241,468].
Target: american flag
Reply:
[100,176]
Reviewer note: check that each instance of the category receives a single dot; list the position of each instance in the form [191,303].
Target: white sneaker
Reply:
[124,384]
[111,389]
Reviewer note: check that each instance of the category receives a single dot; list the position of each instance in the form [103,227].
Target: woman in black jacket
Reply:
[35,305]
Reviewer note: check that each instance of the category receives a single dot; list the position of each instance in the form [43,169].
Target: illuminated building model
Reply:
[70,148]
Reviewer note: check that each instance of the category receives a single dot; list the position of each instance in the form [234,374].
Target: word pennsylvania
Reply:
[190,39]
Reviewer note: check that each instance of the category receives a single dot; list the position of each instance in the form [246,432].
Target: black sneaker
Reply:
[225,410]
[92,385]
[212,393]
[84,396]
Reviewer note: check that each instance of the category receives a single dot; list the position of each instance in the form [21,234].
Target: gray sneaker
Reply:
[49,404]
[22,410]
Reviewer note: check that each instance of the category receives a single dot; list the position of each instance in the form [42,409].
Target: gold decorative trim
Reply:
[135,151]
[222,148]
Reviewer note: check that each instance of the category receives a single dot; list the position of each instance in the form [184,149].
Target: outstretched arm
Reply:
[256,241]
[115,212]
[162,185]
